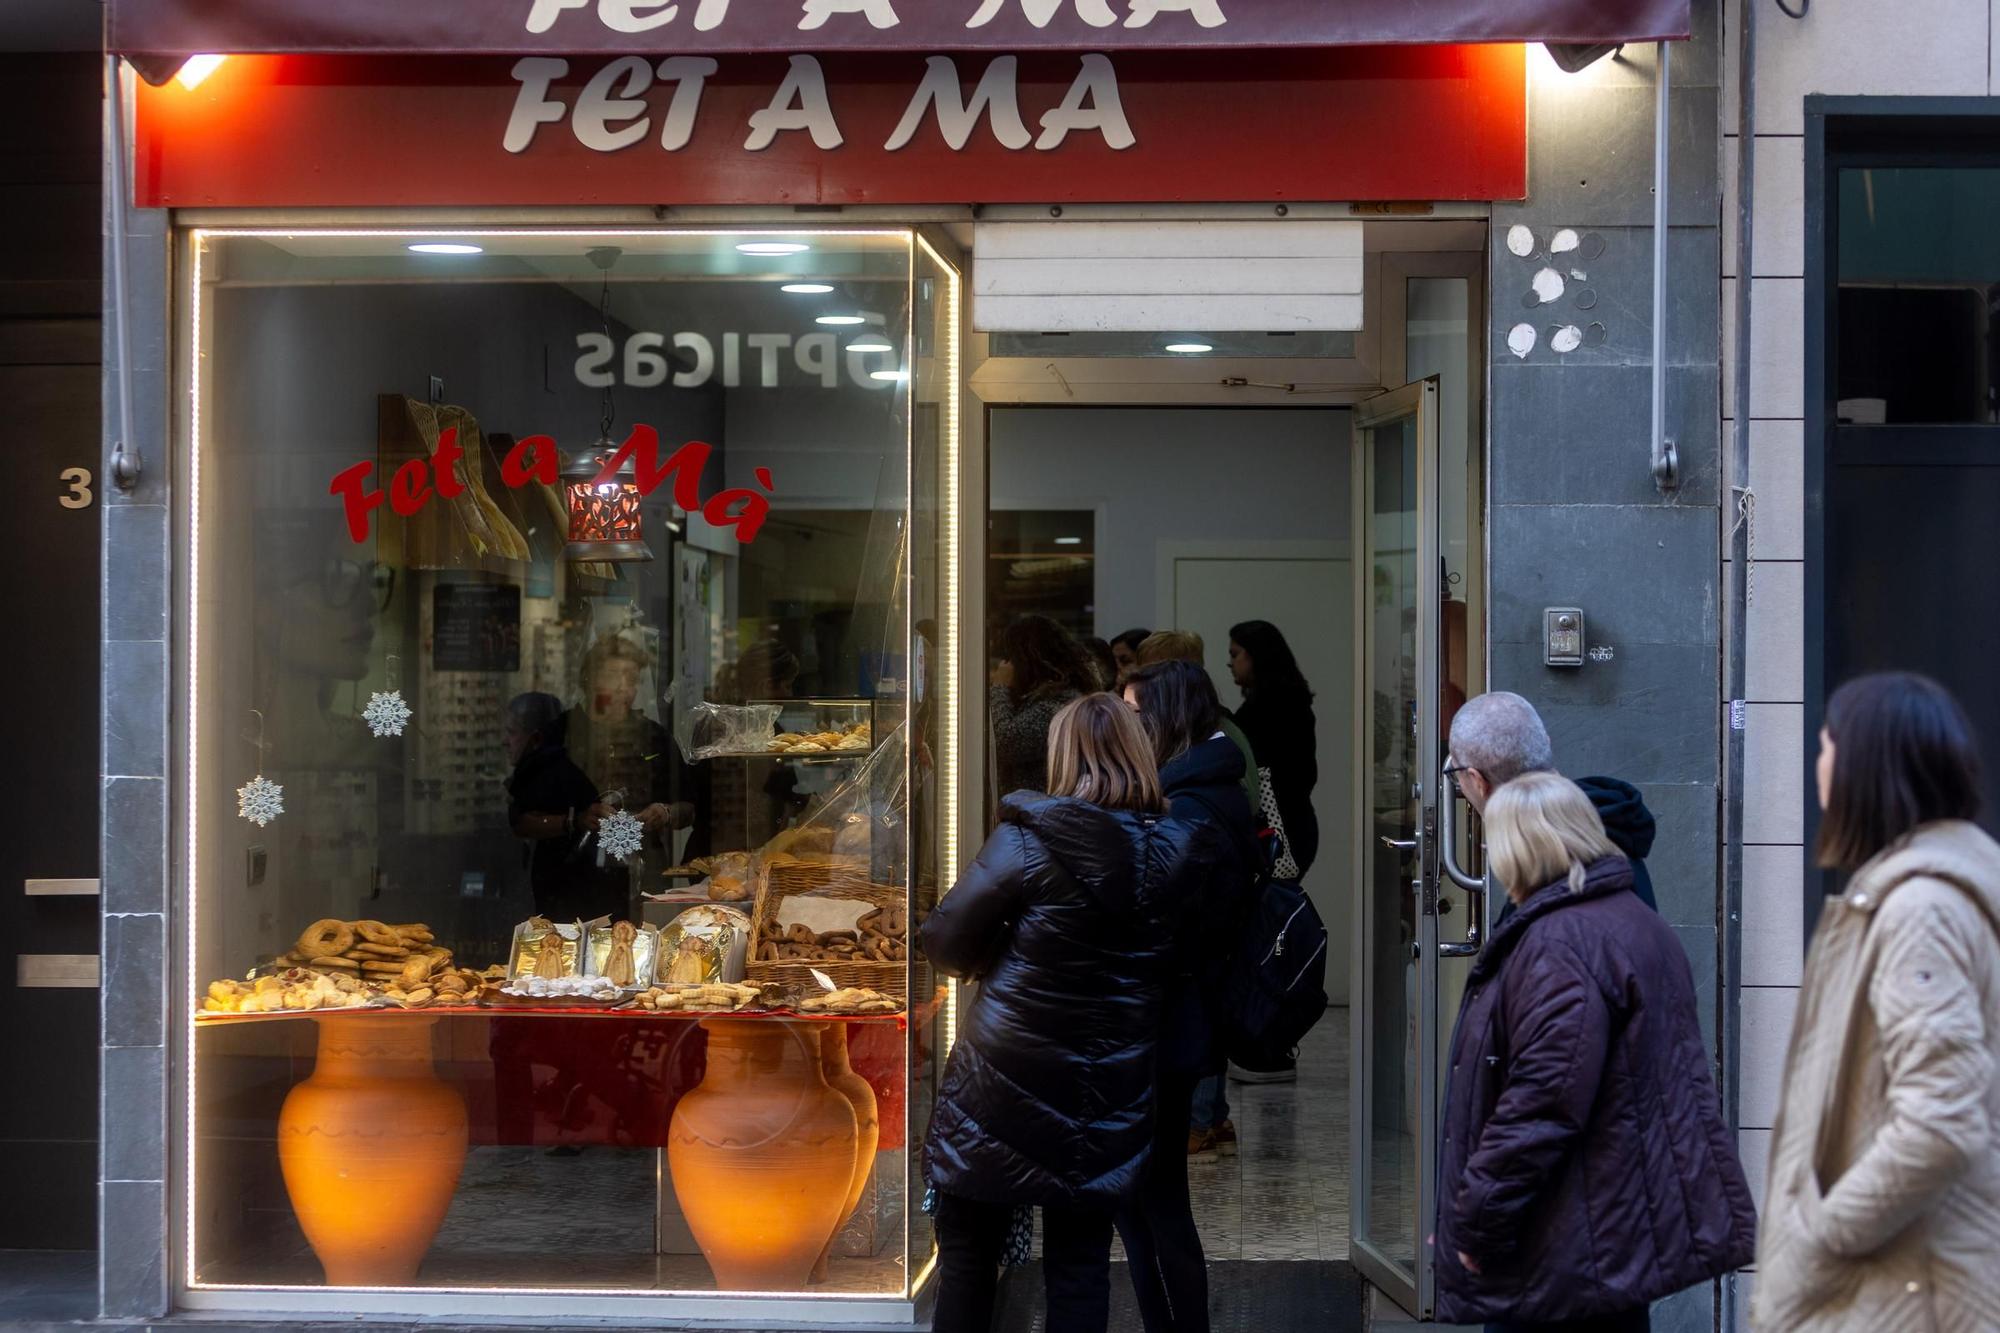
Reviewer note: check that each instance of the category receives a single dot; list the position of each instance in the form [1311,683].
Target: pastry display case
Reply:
[560,813]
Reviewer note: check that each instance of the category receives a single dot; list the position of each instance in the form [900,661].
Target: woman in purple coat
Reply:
[1587,1170]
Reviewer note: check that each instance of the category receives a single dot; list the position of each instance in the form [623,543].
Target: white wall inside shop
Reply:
[1163,478]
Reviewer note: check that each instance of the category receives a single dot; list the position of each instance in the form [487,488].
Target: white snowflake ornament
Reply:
[621,835]
[260,800]
[386,713]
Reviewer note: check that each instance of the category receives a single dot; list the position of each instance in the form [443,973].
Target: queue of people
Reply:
[1587,1168]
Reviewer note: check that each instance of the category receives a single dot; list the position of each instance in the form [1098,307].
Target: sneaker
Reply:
[1223,1136]
[1201,1145]
[1278,1071]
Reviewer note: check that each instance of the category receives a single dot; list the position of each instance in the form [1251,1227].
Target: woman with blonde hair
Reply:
[1587,1170]
[1068,920]
[1882,1209]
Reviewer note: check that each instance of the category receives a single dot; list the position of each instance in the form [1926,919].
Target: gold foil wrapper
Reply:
[528,944]
[645,950]
[702,946]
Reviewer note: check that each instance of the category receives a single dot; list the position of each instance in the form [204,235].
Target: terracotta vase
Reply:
[840,1076]
[762,1154]
[371,1146]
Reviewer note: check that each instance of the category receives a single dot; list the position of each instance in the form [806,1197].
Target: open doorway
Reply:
[1280,481]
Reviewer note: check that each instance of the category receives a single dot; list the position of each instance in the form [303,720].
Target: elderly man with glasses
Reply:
[1497,737]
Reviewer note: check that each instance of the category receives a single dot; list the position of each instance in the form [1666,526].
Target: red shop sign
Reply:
[1349,123]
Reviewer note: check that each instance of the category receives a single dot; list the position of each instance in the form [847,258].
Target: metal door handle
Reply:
[1400,844]
[1475,888]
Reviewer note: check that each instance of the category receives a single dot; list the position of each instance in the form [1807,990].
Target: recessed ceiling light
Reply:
[896,376]
[1069,541]
[196,68]
[446,248]
[772,248]
[807,288]
[843,321]
[1189,348]
[866,344]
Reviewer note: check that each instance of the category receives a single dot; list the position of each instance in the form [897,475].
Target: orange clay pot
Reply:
[840,1076]
[371,1146]
[762,1154]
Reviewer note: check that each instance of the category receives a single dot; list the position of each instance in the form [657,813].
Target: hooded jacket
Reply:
[1629,825]
[1882,1210]
[1586,1167]
[1205,785]
[1068,919]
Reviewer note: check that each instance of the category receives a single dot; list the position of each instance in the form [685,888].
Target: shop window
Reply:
[568,611]
[1041,562]
[1918,320]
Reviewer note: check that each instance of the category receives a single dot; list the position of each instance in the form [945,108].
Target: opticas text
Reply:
[535,460]
[708,15]
[646,364]
[611,112]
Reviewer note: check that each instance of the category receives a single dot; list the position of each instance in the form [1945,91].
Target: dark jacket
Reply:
[1586,1168]
[1205,785]
[1629,825]
[568,883]
[1283,736]
[1021,735]
[1068,919]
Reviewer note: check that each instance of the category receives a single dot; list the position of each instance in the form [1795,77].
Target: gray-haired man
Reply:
[1497,737]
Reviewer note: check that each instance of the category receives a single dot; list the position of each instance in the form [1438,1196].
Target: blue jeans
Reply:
[1211,1102]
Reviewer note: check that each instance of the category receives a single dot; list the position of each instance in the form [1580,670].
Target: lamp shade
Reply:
[603,513]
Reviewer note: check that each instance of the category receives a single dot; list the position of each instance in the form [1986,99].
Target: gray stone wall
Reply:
[1574,516]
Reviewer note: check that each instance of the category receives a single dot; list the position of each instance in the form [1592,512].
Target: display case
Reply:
[567,628]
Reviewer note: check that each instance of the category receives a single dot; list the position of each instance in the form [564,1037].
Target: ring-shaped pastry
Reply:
[326,938]
[377,933]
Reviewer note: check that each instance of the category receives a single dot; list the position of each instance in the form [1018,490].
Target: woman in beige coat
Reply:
[1882,1207]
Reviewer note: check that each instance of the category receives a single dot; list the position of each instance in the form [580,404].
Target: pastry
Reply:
[326,938]
[618,968]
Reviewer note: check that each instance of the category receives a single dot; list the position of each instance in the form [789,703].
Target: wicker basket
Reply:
[889,978]
[799,879]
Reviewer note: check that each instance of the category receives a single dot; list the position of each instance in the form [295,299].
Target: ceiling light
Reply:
[772,248]
[1189,348]
[1069,541]
[445,248]
[869,345]
[894,376]
[196,68]
[807,288]
[843,321]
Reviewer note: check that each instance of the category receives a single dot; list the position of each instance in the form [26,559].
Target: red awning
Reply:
[171,28]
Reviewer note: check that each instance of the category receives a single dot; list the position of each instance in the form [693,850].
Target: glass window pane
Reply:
[464,651]
[1918,313]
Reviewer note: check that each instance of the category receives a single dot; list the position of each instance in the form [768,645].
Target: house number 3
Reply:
[78,481]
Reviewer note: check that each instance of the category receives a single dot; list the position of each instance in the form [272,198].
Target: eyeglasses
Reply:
[1451,773]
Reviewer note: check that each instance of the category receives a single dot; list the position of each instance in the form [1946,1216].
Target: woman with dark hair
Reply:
[1069,919]
[1201,774]
[1042,667]
[1277,717]
[1102,660]
[1882,1202]
[1125,649]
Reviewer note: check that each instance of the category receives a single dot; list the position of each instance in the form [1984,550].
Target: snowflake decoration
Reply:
[386,713]
[621,835]
[260,800]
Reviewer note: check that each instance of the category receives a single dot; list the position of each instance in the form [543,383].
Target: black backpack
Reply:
[1276,988]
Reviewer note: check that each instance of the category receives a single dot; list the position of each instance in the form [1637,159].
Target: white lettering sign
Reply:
[997,95]
[643,363]
[1207,13]
[799,104]
[1097,13]
[597,109]
[629,15]
[1092,104]
[880,13]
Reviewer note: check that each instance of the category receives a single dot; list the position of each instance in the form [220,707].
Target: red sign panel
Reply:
[1409,122]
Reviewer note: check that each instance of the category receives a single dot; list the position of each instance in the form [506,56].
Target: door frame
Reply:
[1416,1290]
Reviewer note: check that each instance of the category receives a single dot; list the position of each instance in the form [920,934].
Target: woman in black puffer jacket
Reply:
[1068,919]
[1586,1169]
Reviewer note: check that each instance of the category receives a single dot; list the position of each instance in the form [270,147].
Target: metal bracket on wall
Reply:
[1666,459]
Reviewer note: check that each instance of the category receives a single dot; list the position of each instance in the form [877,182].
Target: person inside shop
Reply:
[553,806]
[1102,660]
[624,751]
[1586,1169]
[1042,668]
[1070,920]
[1201,775]
[1277,718]
[1499,736]
[1125,650]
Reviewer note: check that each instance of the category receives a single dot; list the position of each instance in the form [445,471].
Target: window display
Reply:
[569,632]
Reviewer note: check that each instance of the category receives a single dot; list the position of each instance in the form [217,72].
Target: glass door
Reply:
[1399,598]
